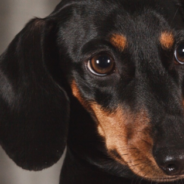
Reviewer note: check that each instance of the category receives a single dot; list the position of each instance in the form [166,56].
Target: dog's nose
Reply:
[172,165]
[171,162]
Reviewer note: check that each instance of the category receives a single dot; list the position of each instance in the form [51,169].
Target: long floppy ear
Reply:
[33,107]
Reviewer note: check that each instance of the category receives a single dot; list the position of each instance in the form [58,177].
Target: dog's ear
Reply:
[33,106]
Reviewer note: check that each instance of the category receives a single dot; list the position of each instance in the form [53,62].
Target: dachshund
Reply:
[104,78]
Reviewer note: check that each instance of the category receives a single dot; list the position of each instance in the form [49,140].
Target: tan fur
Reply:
[100,130]
[119,41]
[128,134]
[77,94]
[167,40]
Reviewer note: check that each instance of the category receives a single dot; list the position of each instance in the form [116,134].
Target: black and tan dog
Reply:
[105,77]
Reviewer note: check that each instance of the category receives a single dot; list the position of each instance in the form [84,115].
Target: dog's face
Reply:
[123,61]
[128,73]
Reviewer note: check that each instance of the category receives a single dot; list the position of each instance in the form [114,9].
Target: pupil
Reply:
[103,62]
[180,51]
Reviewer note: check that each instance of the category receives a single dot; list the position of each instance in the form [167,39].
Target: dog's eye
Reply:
[101,65]
[179,54]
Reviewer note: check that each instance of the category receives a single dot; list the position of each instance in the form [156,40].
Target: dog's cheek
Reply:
[139,145]
[128,141]
[126,134]
[111,128]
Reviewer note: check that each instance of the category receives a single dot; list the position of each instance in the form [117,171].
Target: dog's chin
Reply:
[165,179]
[155,179]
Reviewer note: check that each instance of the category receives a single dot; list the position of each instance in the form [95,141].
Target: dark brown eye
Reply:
[101,65]
[179,54]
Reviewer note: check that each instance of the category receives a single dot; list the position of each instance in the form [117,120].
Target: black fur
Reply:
[37,70]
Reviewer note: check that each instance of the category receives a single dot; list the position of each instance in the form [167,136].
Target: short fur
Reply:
[118,128]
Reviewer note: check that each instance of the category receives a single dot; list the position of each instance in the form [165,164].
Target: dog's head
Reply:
[123,61]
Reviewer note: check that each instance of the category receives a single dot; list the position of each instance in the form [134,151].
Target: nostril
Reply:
[171,169]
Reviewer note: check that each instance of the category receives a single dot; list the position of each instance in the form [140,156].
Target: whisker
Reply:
[146,142]
[135,165]
[174,15]
[133,148]
[136,160]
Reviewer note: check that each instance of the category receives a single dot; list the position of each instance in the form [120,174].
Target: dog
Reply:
[104,78]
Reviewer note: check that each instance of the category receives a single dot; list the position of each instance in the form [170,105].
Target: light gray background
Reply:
[13,16]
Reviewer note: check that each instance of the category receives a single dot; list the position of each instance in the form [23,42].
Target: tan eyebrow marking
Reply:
[119,41]
[167,40]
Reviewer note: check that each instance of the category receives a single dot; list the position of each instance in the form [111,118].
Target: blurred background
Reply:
[14,14]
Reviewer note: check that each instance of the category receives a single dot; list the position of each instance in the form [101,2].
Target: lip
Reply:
[167,179]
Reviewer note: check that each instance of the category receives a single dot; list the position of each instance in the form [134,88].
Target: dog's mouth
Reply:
[166,179]
[144,166]
[128,141]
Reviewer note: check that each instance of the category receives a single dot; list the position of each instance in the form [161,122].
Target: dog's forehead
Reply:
[135,19]
[132,6]
[102,17]
[153,13]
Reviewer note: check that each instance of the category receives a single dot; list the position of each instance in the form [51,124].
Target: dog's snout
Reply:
[170,161]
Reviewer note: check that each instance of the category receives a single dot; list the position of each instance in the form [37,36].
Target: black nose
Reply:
[170,161]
